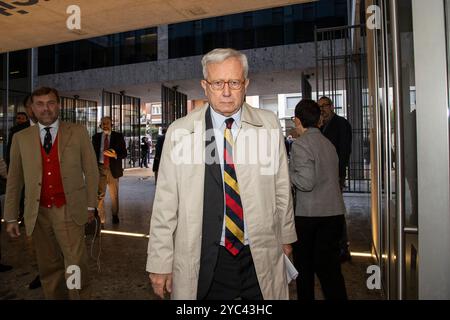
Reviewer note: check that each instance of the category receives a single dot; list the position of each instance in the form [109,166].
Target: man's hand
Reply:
[287,249]
[161,283]
[13,229]
[110,153]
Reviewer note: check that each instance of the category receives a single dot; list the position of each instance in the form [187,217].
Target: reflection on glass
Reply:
[105,51]
[263,28]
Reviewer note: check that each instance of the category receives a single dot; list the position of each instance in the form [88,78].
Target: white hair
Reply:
[220,55]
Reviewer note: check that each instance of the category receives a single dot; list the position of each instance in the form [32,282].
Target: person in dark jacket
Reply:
[339,131]
[3,175]
[110,149]
[158,152]
[144,152]
[23,121]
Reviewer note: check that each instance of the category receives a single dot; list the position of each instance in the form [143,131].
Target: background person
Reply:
[339,131]
[110,149]
[319,210]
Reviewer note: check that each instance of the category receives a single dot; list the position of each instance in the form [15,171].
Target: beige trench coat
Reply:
[176,223]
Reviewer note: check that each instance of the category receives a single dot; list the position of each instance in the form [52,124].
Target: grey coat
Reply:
[314,171]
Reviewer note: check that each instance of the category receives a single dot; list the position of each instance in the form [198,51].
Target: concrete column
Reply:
[432,148]
[163,42]
[34,68]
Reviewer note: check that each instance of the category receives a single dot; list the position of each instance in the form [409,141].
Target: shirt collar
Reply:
[219,119]
[54,125]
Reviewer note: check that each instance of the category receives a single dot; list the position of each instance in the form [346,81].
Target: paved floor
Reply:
[119,268]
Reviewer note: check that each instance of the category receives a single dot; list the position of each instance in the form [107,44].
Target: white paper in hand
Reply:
[291,272]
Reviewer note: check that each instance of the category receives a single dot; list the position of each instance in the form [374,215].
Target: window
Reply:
[105,51]
[156,109]
[292,102]
[256,29]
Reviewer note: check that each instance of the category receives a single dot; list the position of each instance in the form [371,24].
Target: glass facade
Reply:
[256,29]
[105,51]
[263,28]
[125,113]
[80,111]
[15,84]
[343,78]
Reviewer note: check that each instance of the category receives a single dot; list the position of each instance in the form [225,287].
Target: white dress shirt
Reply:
[53,131]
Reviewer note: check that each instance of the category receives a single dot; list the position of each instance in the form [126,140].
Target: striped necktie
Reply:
[234,218]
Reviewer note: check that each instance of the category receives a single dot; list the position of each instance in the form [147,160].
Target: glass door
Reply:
[395,200]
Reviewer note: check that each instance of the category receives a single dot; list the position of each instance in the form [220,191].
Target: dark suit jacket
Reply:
[158,152]
[213,209]
[339,132]
[12,132]
[117,143]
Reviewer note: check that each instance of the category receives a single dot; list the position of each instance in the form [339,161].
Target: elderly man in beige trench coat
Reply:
[222,216]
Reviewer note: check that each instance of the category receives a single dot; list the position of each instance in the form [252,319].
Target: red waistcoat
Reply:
[52,190]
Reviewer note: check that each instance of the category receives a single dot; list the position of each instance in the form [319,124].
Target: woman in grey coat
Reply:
[319,212]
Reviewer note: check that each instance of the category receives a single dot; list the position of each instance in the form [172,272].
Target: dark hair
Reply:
[308,111]
[27,100]
[328,100]
[164,130]
[42,91]
[106,118]
[21,114]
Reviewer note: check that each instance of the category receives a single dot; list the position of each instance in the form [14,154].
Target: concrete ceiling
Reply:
[33,23]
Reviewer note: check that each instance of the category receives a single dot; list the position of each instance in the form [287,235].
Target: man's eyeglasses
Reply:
[293,118]
[220,84]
